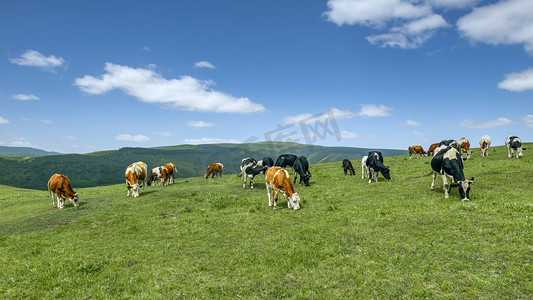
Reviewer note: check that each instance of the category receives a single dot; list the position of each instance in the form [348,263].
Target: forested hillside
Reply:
[107,167]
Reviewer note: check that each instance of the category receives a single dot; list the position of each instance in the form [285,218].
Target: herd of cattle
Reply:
[447,161]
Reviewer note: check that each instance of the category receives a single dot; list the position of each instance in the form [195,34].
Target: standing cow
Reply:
[155,175]
[464,144]
[364,168]
[135,176]
[431,149]
[267,162]
[285,160]
[59,186]
[249,169]
[513,143]
[278,180]
[347,166]
[214,170]
[484,145]
[416,149]
[301,167]
[449,163]
[375,165]
[168,172]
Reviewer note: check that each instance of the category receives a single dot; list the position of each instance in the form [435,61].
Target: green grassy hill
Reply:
[107,167]
[211,239]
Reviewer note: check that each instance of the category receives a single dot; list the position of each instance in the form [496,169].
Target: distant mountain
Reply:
[24,151]
[107,167]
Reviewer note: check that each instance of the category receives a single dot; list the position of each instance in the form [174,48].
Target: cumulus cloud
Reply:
[23,97]
[322,117]
[503,23]
[518,81]
[21,142]
[412,123]
[205,140]
[185,93]
[528,120]
[132,138]
[349,135]
[406,24]
[163,133]
[199,124]
[3,121]
[204,64]
[371,110]
[34,58]
[471,124]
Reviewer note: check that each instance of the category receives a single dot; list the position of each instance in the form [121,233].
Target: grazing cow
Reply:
[431,150]
[285,160]
[513,143]
[416,149]
[301,166]
[214,170]
[449,163]
[364,168]
[484,145]
[347,166]
[135,175]
[155,174]
[250,168]
[278,180]
[168,172]
[375,165]
[464,144]
[59,186]
[267,162]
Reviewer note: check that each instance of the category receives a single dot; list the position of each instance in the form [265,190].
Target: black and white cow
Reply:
[267,162]
[513,143]
[285,160]
[375,165]
[449,163]
[347,166]
[250,168]
[364,168]
[301,166]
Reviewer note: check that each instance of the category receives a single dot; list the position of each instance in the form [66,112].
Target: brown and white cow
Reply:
[59,186]
[464,145]
[135,176]
[167,173]
[214,170]
[278,180]
[431,150]
[416,149]
[484,145]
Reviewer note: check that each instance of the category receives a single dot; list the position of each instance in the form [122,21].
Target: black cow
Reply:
[375,164]
[301,166]
[347,165]
[513,143]
[250,168]
[449,163]
[285,160]
[267,162]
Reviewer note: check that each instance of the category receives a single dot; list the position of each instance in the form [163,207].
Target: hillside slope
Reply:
[212,239]
[107,167]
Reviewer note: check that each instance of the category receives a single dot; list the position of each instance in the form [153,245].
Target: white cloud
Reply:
[528,120]
[21,142]
[335,112]
[205,140]
[407,24]
[349,135]
[412,123]
[132,138]
[3,121]
[146,49]
[34,58]
[199,124]
[471,124]
[67,137]
[503,23]
[417,133]
[23,97]
[518,81]
[371,110]
[47,122]
[185,93]
[164,133]
[204,64]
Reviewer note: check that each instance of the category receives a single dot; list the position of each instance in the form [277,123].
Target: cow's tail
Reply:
[240,174]
[48,185]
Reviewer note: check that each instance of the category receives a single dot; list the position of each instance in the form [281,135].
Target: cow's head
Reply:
[74,200]
[135,190]
[294,201]
[519,151]
[385,172]
[151,178]
[464,188]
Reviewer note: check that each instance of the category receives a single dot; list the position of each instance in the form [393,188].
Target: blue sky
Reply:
[84,76]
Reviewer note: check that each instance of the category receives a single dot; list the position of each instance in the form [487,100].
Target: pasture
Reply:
[211,239]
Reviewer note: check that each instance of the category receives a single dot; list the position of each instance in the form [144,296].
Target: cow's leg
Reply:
[61,201]
[345,171]
[53,199]
[252,182]
[244,177]
[269,196]
[445,186]
[510,151]
[433,183]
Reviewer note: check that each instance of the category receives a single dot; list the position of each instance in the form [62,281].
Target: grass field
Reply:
[211,239]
